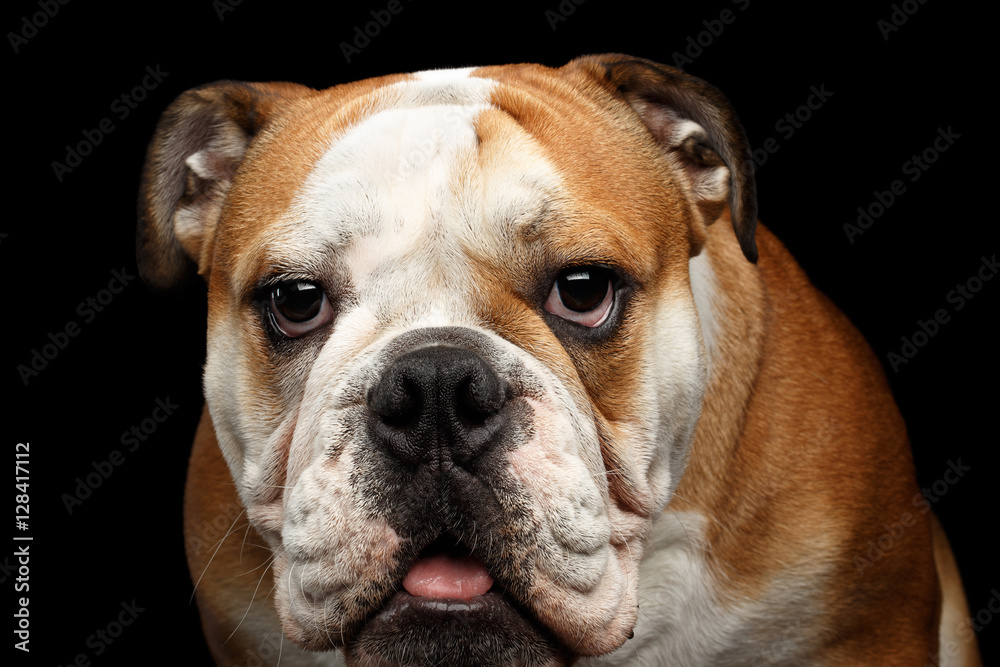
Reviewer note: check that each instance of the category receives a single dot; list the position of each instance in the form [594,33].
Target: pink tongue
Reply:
[444,576]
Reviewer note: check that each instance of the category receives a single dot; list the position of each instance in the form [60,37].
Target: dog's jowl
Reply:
[503,372]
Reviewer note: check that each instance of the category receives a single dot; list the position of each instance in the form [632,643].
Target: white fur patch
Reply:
[384,196]
[684,128]
[684,620]
[704,287]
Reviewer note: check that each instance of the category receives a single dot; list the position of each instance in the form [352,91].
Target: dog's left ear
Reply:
[693,122]
[198,146]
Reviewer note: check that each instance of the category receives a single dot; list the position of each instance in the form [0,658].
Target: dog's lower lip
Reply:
[474,604]
[404,604]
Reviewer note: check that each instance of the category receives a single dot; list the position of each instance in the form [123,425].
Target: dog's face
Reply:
[454,360]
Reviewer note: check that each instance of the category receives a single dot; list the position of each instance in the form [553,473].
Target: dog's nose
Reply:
[438,398]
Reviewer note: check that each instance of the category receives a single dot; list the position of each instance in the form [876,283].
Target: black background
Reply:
[64,239]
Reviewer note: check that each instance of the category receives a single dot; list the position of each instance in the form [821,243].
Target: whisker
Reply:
[267,563]
[219,546]
[243,544]
[263,574]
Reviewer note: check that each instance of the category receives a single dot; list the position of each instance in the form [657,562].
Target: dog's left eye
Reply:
[583,295]
[298,307]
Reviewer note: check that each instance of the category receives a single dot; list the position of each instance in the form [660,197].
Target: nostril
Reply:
[477,398]
[398,401]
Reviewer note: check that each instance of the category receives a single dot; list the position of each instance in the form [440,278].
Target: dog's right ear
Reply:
[198,145]
[691,120]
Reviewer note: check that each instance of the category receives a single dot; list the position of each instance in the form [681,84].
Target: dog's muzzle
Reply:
[440,421]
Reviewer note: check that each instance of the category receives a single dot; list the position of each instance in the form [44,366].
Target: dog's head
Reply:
[454,360]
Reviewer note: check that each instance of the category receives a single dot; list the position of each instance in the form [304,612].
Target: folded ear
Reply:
[694,124]
[198,145]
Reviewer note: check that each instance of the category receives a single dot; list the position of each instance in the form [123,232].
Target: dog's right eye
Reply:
[583,295]
[298,307]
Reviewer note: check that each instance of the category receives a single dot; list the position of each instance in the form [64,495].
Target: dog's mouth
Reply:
[450,610]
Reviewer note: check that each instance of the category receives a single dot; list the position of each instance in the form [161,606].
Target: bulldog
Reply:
[501,370]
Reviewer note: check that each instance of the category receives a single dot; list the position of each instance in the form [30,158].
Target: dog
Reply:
[501,370]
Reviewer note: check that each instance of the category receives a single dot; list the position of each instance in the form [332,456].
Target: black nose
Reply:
[438,399]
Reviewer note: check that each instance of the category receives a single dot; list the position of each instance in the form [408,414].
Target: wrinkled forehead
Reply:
[449,160]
